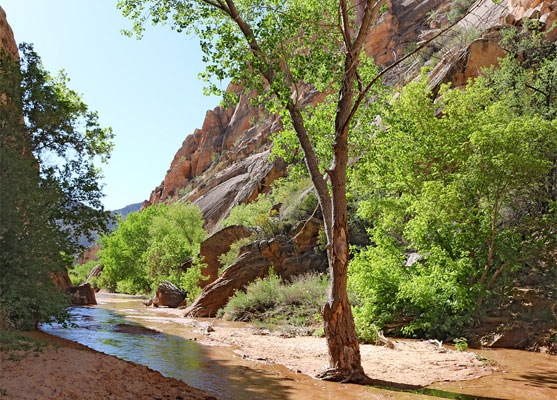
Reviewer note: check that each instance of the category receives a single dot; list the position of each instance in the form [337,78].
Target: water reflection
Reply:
[173,356]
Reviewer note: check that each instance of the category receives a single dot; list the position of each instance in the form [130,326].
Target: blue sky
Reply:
[147,90]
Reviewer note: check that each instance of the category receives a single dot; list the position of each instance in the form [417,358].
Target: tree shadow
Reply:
[444,394]
[540,379]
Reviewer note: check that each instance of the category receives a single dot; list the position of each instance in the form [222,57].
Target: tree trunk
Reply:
[344,350]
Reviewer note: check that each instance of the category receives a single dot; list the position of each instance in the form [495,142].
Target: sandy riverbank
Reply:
[68,370]
[416,363]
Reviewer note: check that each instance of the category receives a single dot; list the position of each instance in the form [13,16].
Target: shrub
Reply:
[258,214]
[294,305]
[461,344]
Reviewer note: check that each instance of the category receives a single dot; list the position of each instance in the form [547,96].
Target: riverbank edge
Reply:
[112,367]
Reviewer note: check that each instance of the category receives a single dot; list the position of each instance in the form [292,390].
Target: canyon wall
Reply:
[7,40]
[226,162]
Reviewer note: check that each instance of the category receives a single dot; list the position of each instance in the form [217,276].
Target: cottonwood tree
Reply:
[49,186]
[280,49]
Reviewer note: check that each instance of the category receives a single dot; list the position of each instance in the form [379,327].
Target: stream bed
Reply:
[122,326]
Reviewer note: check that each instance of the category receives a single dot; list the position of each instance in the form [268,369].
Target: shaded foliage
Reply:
[50,194]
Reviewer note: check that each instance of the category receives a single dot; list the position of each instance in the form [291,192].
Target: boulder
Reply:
[288,255]
[83,295]
[516,337]
[168,295]
[217,244]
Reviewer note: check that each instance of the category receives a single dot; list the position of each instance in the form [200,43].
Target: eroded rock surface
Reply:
[7,40]
[217,244]
[288,255]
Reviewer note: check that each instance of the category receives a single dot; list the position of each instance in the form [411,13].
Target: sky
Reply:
[147,90]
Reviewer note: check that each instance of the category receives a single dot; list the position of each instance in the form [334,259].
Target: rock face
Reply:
[459,65]
[216,245]
[223,164]
[7,40]
[83,295]
[289,255]
[466,64]
[168,295]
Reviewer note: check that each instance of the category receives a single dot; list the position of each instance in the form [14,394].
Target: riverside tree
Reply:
[150,246]
[279,50]
[50,192]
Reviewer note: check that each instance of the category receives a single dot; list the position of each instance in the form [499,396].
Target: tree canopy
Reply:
[50,190]
[150,246]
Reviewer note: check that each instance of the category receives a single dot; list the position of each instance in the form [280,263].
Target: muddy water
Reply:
[123,327]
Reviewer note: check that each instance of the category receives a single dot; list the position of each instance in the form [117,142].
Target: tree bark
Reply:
[344,350]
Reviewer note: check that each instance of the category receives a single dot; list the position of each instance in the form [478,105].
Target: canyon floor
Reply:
[411,362]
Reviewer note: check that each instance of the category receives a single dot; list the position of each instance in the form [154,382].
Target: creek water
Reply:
[121,326]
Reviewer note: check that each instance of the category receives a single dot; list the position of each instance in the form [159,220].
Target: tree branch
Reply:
[312,163]
[363,94]
[219,4]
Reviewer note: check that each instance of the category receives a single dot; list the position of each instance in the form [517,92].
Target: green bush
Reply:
[150,246]
[461,344]
[469,190]
[294,305]
[258,214]
[429,298]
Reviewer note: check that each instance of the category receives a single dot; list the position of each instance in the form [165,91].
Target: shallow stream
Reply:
[122,326]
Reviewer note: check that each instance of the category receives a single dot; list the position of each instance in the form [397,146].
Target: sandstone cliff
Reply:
[225,163]
[7,40]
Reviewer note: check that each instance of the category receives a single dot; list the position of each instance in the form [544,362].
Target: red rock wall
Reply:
[7,40]
[212,161]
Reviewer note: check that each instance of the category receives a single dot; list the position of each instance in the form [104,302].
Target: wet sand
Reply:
[69,370]
[252,363]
